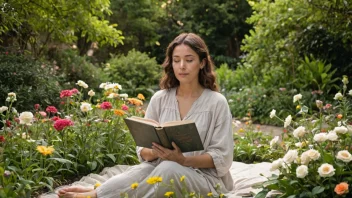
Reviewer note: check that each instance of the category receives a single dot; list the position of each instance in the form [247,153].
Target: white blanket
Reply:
[244,176]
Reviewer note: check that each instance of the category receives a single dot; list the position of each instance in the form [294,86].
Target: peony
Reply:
[65,93]
[51,109]
[274,141]
[338,96]
[272,113]
[287,121]
[26,118]
[341,129]
[299,132]
[344,156]
[297,97]
[341,188]
[326,170]
[62,123]
[82,84]
[42,113]
[332,136]
[320,137]
[36,106]
[3,108]
[91,93]
[85,107]
[106,105]
[276,164]
[290,156]
[302,171]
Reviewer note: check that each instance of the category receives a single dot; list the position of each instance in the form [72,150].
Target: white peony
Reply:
[338,96]
[85,107]
[290,156]
[341,129]
[272,113]
[287,121]
[297,97]
[3,108]
[91,93]
[305,159]
[274,141]
[320,137]
[82,84]
[26,118]
[276,164]
[326,170]
[302,171]
[299,132]
[344,156]
[332,136]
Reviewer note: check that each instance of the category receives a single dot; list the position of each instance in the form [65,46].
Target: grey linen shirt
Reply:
[213,119]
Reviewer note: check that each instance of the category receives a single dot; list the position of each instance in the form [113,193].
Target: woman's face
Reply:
[186,64]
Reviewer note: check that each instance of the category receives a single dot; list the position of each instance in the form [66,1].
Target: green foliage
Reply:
[32,81]
[136,72]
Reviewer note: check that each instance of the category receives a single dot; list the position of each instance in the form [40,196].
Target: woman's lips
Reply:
[183,74]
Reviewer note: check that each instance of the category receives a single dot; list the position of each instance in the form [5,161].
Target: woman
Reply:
[189,92]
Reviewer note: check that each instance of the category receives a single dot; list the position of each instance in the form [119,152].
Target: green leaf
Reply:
[63,161]
[262,194]
[112,157]
[317,190]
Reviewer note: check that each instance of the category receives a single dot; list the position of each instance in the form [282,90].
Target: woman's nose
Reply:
[182,64]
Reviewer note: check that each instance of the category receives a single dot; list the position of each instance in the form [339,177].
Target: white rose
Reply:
[326,170]
[274,141]
[287,121]
[297,97]
[313,154]
[3,108]
[290,156]
[124,95]
[82,84]
[299,132]
[102,85]
[272,113]
[320,137]
[91,93]
[341,129]
[302,171]
[26,118]
[305,159]
[332,136]
[85,107]
[276,164]
[344,156]
[298,144]
[338,96]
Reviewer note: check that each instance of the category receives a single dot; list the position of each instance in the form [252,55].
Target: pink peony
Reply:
[62,123]
[124,107]
[51,109]
[106,105]
[65,93]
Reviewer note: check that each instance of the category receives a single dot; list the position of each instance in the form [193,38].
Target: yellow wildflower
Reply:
[96,185]
[169,194]
[221,195]
[45,150]
[298,107]
[182,178]
[154,180]
[141,97]
[210,194]
[134,185]
[119,112]
[240,130]
[135,101]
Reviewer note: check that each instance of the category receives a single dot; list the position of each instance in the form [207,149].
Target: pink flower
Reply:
[124,107]
[42,113]
[51,109]
[55,118]
[327,106]
[62,123]
[106,105]
[65,93]
[74,91]
[36,106]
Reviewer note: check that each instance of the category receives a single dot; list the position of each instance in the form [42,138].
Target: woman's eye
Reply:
[189,61]
[176,61]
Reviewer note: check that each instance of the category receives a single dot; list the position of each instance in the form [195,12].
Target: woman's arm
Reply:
[148,155]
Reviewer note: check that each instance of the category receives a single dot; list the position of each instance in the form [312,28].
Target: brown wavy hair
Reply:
[206,75]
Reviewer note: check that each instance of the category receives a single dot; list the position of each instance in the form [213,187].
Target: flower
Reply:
[154,180]
[119,112]
[113,86]
[113,95]
[341,188]
[26,118]
[344,156]
[341,129]
[45,150]
[3,108]
[36,106]
[82,84]
[339,116]
[305,159]
[134,185]
[350,92]
[135,101]
[106,105]
[51,109]
[338,96]
[287,121]
[91,93]
[326,170]
[123,96]
[290,156]
[42,113]
[319,104]
[169,194]
[299,144]
[313,154]
[74,91]
[96,185]
[62,123]
[210,194]
[182,178]
[320,137]
[124,107]
[2,138]
[274,141]
[65,93]
[332,136]
[276,164]
[302,171]
[11,97]
[140,96]
[299,132]
[102,85]
[272,113]
[297,97]
[85,107]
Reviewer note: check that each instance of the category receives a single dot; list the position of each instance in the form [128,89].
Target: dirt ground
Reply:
[271,130]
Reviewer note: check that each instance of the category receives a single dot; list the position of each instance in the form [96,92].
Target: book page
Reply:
[145,120]
[176,123]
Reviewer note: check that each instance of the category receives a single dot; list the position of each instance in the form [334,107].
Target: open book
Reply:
[183,133]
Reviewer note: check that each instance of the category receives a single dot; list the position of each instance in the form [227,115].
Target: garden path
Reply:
[267,129]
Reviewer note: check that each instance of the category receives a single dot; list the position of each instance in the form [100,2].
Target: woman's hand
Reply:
[167,154]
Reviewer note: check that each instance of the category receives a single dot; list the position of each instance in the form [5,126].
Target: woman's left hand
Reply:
[167,154]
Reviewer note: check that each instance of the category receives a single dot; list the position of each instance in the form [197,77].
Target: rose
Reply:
[85,107]
[344,156]
[320,137]
[82,84]
[341,129]
[290,156]
[326,170]
[341,188]
[272,113]
[297,97]
[305,159]
[287,121]
[313,154]
[302,171]
[276,164]
[91,93]
[26,118]
[62,123]
[332,136]
[3,108]
[338,96]
[299,132]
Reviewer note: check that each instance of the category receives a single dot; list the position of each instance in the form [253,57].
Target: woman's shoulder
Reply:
[163,94]
[215,96]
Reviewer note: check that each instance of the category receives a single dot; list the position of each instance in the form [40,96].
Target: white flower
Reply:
[298,144]
[113,95]
[320,137]
[91,93]
[230,101]
[276,164]
[344,156]
[274,141]
[332,136]
[26,118]
[85,107]
[113,86]
[287,121]
[338,96]
[102,85]
[14,110]
[299,132]
[82,84]
[11,97]
[272,113]
[3,108]
[305,159]
[341,129]
[326,170]
[313,154]
[124,95]
[302,171]
[297,97]
[350,92]
[290,156]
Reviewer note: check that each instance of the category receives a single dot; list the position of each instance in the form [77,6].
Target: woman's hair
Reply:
[206,75]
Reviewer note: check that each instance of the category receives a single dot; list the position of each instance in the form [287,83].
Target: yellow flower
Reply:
[119,112]
[221,195]
[45,150]
[169,194]
[210,194]
[135,101]
[141,97]
[182,178]
[298,107]
[134,185]
[154,180]
[240,130]
[96,185]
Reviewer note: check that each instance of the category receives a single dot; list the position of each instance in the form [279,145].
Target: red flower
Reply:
[36,106]
[51,109]
[65,93]
[62,123]
[2,138]
[106,105]
[74,91]
[55,118]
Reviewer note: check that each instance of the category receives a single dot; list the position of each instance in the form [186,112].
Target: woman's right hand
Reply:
[148,154]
